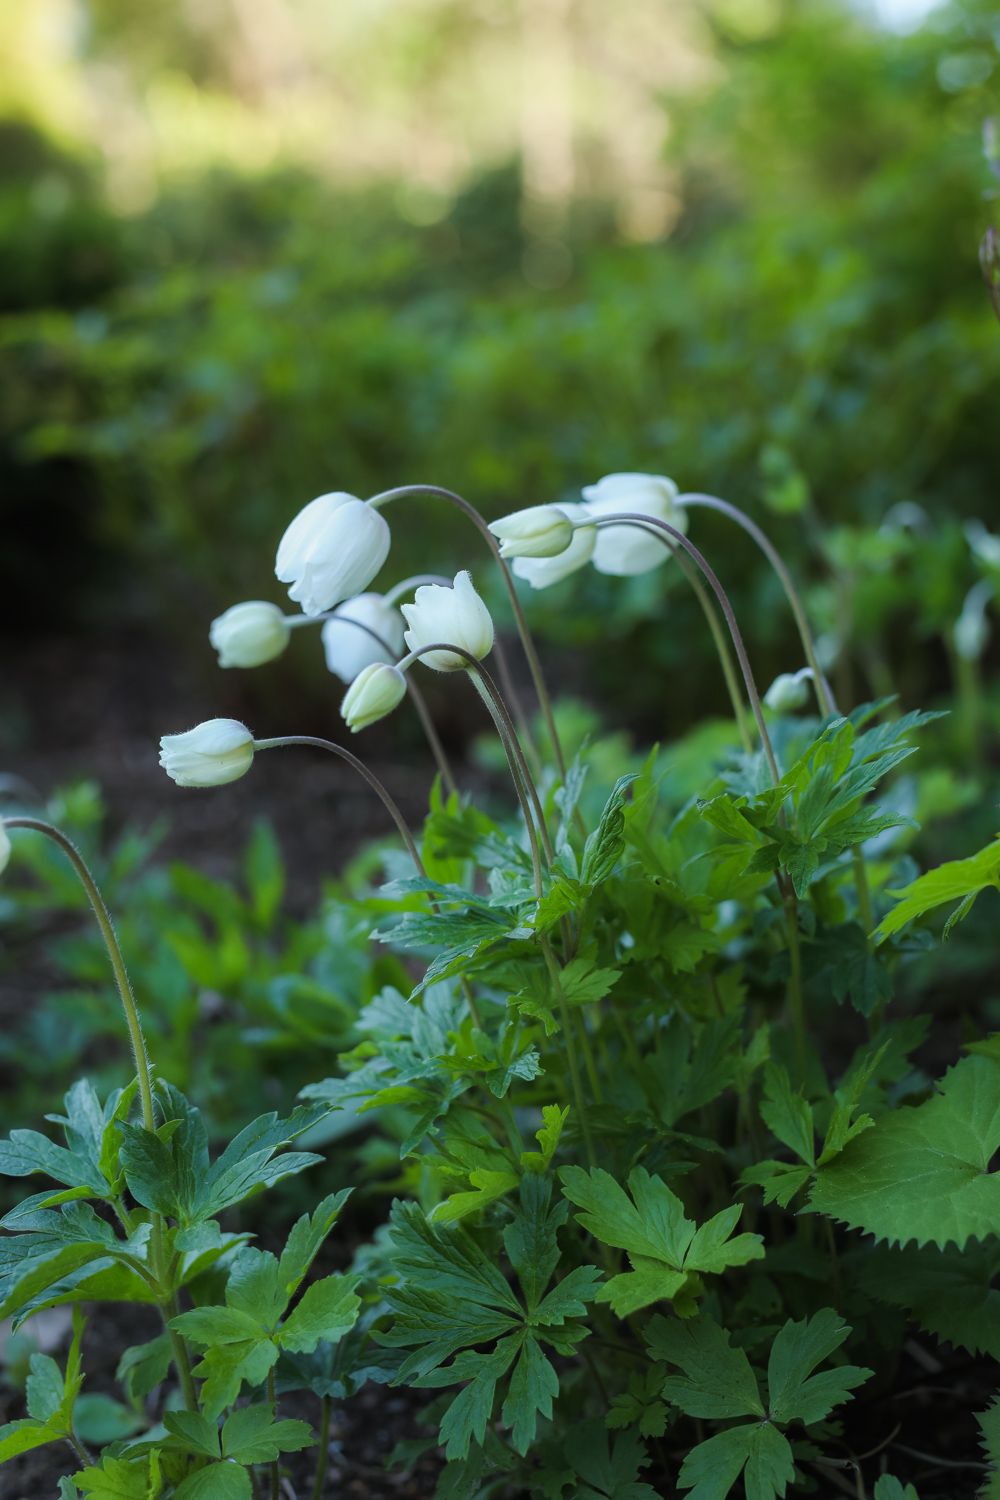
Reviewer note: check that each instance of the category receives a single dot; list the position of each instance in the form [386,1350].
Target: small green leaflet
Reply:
[923,1173]
[957,880]
[548,1138]
[609,1472]
[718,1384]
[640,1405]
[888,1487]
[666,1249]
[122,1479]
[603,848]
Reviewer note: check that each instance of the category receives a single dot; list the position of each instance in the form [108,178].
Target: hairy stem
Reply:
[515,773]
[522,625]
[362,770]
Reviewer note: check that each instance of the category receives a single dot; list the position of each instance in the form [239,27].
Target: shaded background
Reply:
[254,250]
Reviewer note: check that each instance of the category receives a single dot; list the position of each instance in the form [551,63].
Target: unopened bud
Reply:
[540,531]
[375,692]
[211,754]
[250,634]
[456,615]
[788,691]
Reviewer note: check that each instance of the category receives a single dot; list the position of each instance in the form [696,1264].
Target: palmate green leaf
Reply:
[711,1469]
[327,1310]
[306,1238]
[956,880]
[221,1481]
[663,1245]
[470,1412]
[639,1405]
[948,1292]
[788,1114]
[923,1172]
[888,1487]
[252,1436]
[530,1241]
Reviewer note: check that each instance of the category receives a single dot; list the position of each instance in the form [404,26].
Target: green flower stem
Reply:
[324,1447]
[711,502]
[157,1280]
[649,523]
[275,1470]
[795,1000]
[114,953]
[721,646]
[571,1057]
[513,1133]
[588,1058]
[522,625]
[515,772]
[308,739]
[417,697]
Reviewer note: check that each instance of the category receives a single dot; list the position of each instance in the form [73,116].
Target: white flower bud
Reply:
[540,531]
[211,754]
[788,691]
[375,692]
[332,549]
[543,572]
[249,634]
[625,550]
[348,648]
[456,615]
[4,848]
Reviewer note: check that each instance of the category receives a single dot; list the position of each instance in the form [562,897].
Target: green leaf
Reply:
[194,1432]
[326,1310]
[948,1292]
[711,1469]
[717,1381]
[584,984]
[252,1436]
[989,1424]
[956,880]
[533,1385]
[662,1244]
[306,1238]
[795,1393]
[787,1114]
[530,1241]
[253,1289]
[100,1420]
[780,1180]
[45,1388]
[27,1151]
[612,1472]
[923,1172]
[122,1479]
[548,1138]
[471,1410]
[222,1481]
[144,1365]
[604,846]
[888,1487]
[488,1187]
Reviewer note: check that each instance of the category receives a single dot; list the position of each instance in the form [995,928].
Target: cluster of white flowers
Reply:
[332,551]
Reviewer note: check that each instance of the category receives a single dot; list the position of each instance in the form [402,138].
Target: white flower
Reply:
[972,628]
[374,693]
[984,544]
[349,649]
[457,616]
[249,634]
[4,848]
[540,531]
[332,549]
[788,691]
[211,754]
[542,572]
[624,550]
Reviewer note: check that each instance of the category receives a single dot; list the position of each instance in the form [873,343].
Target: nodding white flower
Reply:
[249,634]
[211,754]
[332,549]
[539,531]
[375,692]
[972,628]
[543,572]
[984,544]
[788,691]
[625,550]
[349,648]
[456,615]
[4,847]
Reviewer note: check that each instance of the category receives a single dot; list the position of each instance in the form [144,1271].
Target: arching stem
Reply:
[650,523]
[362,770]
[522,625]
[142,1070]
[721,646]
